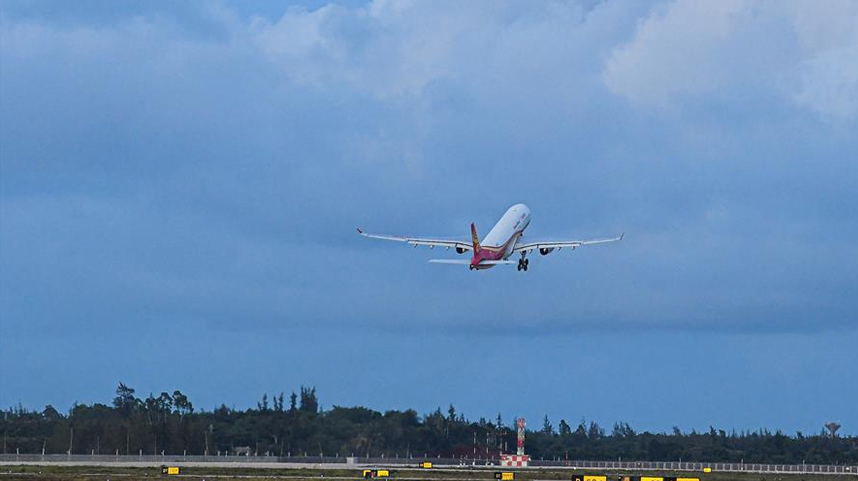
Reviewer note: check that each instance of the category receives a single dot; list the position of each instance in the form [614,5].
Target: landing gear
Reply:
[523,263]
[470,267]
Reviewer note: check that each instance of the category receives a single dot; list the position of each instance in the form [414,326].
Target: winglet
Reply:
[622,235]
[475,239]
[360,231]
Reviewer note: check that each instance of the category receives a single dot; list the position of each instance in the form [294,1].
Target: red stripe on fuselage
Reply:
[494,253]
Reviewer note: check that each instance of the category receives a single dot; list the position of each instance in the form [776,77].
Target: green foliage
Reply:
[309,403]
[169,423]
[565,429]
[547,428]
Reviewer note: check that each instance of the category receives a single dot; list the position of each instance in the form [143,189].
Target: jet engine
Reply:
[460,250]
[546,250]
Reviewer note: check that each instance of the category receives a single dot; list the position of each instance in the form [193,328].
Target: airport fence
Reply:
[413,461]
[697,466]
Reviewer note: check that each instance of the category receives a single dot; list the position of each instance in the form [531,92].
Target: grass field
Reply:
[102,473]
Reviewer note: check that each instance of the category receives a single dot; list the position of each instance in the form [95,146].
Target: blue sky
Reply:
[180,183]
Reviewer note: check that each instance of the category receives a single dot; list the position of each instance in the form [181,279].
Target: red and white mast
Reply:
[519,458]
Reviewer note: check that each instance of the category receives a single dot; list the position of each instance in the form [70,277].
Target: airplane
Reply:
[504,240]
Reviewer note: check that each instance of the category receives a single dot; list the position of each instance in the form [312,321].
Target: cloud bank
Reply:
[799,51]
[185,178]
[203,162]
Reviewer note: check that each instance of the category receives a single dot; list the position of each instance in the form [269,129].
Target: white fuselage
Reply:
[499,243]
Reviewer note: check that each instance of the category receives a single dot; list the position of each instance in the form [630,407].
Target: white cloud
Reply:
[380,48]
[804,52]
[667,56]
[395,49]
[292,129]
[829,83]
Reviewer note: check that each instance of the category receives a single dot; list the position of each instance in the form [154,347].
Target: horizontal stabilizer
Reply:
[465,262]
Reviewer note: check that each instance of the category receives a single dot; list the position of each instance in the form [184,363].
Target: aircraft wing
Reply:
[421,241]
[554,244]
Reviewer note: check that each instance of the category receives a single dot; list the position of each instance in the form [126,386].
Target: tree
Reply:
[51,414]
[293,402]
[151,407]
[452,413]
[125,401]
[364,431]
[165,405]
[622,430]
[182,403]
[595,431]
[436,421]
[581,430]
[309,403]
[547,428]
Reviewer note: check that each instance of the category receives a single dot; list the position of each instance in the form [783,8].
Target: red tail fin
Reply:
[475,239]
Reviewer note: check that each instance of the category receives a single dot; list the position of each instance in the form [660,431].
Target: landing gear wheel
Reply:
[523,262]
[470,267]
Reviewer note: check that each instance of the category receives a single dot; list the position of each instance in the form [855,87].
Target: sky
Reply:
[180,184]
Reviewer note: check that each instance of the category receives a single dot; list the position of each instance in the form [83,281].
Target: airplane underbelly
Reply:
[510,247]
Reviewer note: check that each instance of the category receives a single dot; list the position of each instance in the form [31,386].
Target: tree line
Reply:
[294,425]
